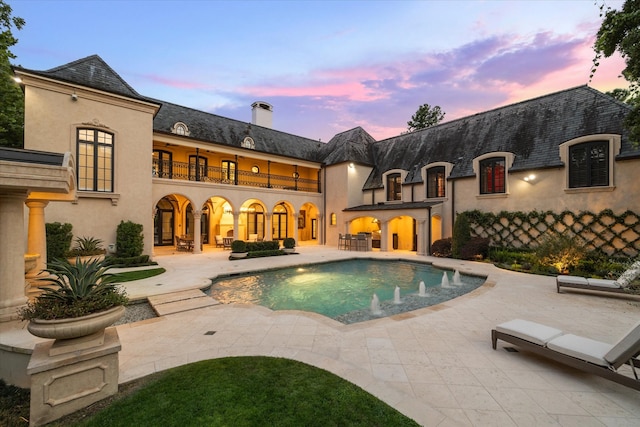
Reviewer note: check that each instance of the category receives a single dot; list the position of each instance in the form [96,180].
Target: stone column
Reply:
[295,226]
[320,229]
[236,226]
[197,232]
[12,284]
[37,242]
[422,237]
[268,227]
[384,236]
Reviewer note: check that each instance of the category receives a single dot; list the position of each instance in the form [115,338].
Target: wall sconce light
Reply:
[74,97]
[530,178]
[351,165]
[17,79]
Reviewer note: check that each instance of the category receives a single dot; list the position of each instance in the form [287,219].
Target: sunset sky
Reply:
[327,66]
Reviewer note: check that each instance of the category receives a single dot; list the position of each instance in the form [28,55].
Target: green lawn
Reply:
[138,274]
[240,391]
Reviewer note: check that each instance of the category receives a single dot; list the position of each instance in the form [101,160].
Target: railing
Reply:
[187,172]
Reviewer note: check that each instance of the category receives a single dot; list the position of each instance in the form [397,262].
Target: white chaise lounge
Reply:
[618,285]
[581,353]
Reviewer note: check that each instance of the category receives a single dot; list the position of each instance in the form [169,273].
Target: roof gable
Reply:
[92,72]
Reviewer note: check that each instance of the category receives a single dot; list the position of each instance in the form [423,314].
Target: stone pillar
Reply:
[320,229]
[236,226]
[384,236]
[197,232]
[12,284]
[295,226]
[37,242]
[268,227]
[422,237]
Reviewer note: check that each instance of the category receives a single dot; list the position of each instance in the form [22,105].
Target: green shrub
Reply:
[135,261]
[262,246]
[476,247]
[461,235]
[59,238]
[129,239]
[289,243]
[441,248]
[561,251]
[262,254]
[238,246]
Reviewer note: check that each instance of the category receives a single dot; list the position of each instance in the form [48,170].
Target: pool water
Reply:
[343,290]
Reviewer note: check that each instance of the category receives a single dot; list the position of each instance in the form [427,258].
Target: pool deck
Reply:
[435,365]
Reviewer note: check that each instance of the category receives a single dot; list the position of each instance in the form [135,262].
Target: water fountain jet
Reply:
[456,278]
[422,290]
[396,296]
[445,280]
[375,306]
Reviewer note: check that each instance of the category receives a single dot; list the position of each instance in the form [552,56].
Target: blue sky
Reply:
[326,66]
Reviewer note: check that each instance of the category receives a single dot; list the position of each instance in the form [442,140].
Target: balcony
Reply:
[216,175]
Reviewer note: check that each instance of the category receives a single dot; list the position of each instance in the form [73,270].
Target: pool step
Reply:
[177,302]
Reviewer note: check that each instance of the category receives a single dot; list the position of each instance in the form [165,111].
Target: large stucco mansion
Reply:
[179,171]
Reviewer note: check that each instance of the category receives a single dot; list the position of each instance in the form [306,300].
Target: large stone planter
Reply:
[238,255]
[63,329]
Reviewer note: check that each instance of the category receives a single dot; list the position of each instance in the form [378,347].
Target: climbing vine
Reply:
[606,232]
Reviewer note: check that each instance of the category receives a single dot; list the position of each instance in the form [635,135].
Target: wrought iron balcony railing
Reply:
[187,172]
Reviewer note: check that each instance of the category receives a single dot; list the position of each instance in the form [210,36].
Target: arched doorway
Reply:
[279,222]
[254,219]
[163,223]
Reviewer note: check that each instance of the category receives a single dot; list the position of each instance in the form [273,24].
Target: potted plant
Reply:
[289,244]
[77,300]
[238,249]
[86,248]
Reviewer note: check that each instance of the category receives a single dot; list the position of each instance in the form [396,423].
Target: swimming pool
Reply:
[343,290]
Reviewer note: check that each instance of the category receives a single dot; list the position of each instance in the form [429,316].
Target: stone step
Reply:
[177,302]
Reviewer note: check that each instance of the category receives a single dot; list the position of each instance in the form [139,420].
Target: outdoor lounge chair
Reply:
[585,354]
[618,285]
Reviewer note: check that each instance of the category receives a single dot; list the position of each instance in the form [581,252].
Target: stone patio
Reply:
[435,365]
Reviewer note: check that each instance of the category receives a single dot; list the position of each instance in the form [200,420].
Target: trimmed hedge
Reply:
[262,246]
[135,261]
[59,237]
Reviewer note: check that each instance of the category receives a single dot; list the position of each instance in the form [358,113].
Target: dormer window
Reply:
[248,143]
[180,128]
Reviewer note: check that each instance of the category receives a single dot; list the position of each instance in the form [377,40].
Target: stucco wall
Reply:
[51,120]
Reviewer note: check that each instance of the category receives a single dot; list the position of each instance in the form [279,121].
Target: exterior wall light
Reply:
[530,178]
[351,165]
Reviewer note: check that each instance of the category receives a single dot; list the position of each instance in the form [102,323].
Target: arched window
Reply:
[95,160]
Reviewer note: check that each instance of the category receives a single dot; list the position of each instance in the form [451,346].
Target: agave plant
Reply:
[74,291]
[86,246]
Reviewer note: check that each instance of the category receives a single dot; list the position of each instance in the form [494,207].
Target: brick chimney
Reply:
[262,114]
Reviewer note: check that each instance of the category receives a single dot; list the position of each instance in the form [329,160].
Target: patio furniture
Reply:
[362,242]
[253,238]
[618,285]
[226,242]
[219,241]
[184,244]
[585,354]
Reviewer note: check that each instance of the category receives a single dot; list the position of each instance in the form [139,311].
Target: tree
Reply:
[425,117]
[12,105]
[620,31]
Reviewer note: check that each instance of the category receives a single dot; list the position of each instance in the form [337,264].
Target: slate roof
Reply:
[31,156]
[354,145]
[391,206]
[532,130]
[92,72]
[221,130]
